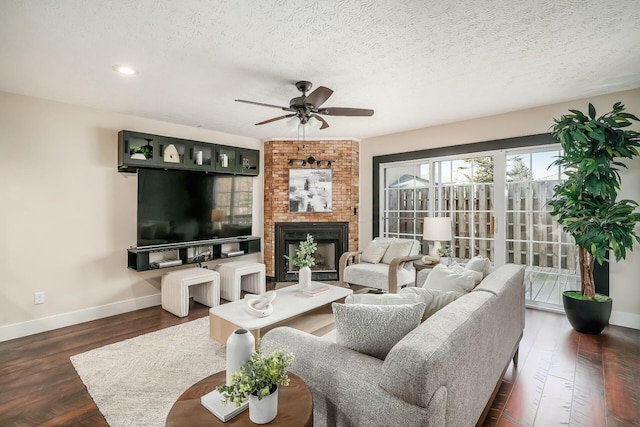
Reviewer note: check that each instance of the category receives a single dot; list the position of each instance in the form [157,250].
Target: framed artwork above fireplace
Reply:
[310,190]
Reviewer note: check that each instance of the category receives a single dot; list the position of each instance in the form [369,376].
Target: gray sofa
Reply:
[445,372]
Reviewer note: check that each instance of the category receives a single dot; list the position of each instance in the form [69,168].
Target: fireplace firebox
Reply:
[332,239]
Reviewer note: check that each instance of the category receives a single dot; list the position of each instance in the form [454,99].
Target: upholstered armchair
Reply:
[385,264]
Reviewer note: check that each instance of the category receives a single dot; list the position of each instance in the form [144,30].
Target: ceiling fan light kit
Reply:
[305,109]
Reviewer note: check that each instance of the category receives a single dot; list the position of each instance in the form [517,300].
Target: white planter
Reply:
[262,411]
[445,260]
[240,346]
[304,277]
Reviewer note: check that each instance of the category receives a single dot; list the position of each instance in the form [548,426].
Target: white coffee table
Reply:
[291,307]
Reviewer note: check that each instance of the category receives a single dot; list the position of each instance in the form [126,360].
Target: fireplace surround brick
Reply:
[345,183]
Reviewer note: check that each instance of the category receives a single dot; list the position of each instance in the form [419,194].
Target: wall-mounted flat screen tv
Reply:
[182,206]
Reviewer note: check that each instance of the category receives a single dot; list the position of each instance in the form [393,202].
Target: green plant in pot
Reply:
[304,259]
[258,379]
[586,204]
[145,150]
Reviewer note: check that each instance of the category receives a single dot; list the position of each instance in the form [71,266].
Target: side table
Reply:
[295,405]
[420,265]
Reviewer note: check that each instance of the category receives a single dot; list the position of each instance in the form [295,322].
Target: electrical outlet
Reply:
[38,298]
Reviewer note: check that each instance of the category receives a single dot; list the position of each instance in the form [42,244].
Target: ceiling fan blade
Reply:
[263,104]
[340,111]
[275,118]
[318,96]
[323,121]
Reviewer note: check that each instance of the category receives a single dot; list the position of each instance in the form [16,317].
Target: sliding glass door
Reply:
[533,236]
[516,228]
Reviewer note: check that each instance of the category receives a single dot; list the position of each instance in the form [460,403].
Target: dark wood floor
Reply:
[563,378]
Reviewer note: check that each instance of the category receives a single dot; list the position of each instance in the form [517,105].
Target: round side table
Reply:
[295,406]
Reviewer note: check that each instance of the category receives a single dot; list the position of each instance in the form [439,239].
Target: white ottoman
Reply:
[248,276]
[205,285]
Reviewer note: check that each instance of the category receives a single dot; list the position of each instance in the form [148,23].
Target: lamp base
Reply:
[434,249]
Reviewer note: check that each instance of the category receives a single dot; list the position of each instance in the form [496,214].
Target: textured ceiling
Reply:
[416,63]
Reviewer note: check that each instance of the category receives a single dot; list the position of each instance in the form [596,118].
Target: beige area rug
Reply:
[135,382]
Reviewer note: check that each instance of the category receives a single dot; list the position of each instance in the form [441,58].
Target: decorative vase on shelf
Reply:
[262,411]
[304,277]
[240,346]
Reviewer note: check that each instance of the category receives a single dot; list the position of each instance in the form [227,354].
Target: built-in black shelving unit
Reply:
[154,257]
[142,150]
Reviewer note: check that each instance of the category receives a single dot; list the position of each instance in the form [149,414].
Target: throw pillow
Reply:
[374,252]
[481,264]
[435,299]
[445,279]
[400,248]
[476,275]
[374,329]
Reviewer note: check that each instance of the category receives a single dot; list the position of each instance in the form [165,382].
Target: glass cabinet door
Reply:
[172,152]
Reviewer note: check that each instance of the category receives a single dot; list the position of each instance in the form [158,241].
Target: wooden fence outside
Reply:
[533,237]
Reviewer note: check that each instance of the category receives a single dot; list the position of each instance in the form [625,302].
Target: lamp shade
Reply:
[437,228]
[217,215]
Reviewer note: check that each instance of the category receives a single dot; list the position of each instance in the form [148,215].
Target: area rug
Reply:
[135,382]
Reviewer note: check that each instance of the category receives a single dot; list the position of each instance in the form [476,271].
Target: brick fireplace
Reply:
[345,192]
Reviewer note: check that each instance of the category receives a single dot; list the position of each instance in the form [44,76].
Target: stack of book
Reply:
[214,403]
[315,288]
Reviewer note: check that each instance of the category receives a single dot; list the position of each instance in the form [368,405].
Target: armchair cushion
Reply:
[397,249]
[374,252]
[375,275]
[375,329]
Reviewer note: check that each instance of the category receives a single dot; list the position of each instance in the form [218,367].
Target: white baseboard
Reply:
[628,320]
[23,329]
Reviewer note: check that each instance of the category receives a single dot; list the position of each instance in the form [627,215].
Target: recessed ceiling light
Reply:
[125,69]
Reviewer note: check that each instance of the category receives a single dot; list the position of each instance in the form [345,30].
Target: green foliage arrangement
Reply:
[304,254]
[258,376]
[586,204]
[145,150]
[444,251]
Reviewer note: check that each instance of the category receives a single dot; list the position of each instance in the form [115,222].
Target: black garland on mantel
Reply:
[311,161]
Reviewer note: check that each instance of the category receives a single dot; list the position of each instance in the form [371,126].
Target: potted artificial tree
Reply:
[586,204]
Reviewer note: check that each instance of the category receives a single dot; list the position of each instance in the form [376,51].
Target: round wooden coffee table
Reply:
[295,405]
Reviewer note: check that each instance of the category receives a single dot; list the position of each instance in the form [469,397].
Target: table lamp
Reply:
[217,216]
[436,229]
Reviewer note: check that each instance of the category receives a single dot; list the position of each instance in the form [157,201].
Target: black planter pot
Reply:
[588,317]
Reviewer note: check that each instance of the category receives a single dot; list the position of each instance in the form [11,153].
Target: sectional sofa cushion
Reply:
[476,275]
[445,279]
[434,299]
[375,329]
[481,264]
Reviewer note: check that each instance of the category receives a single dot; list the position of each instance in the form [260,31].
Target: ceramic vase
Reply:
[304,277]
[240,346]
[262,411]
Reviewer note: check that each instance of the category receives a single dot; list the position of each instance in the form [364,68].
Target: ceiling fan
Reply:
[306,107]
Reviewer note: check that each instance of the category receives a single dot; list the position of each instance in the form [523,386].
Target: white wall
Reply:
[624,287]
[67,216]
